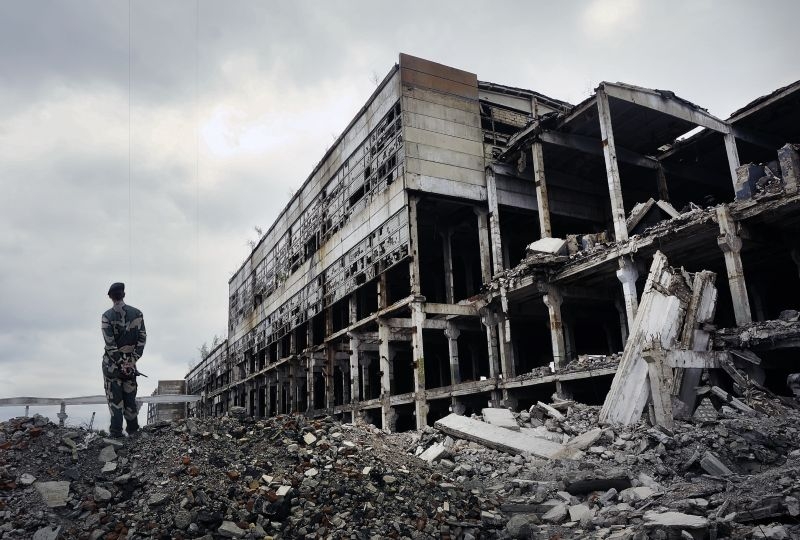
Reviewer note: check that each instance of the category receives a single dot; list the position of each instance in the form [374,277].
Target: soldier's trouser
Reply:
[121,396]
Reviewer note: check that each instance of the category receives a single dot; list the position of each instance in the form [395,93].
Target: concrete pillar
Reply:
[447,253]
[627,275]
[420,401]
[364,361]
[661,181]
[731,245]
[355,357]
[355,369]
[383,291]
[452,333]
[569,340]
[413,240]
[623,320]
[553,300]
[484,245]
[506,349]
[542,200]
[344,368]
[327,372]
[789,161]
[733,158]
[494,222]
[385,357]
[310,384]
[489,320]
[280,391]
[612,169]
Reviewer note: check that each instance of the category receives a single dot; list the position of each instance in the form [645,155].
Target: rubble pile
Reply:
[722,474]
[586,362]
[283,477]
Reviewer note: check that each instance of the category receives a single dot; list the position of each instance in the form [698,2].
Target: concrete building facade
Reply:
[397,285]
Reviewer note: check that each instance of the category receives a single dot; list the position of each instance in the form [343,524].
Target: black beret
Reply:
[116,287]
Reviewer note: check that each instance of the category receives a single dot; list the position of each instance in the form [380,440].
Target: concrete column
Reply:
[420,401]
[542,200]
[489,320]
[327,372]
[355,369]
[731,245]
[789,161]
[569,340]
[452,333]
[623,320]
[364,363]
[483,244]
[612,169]
[494,222]
[733,158]
[383,291]
[661,181]
[294,378]
[310,384]
[355,357]
[447,252]
[280,392]
[553,300]
[506,347]
[627,275]
[385,356]
[413,233]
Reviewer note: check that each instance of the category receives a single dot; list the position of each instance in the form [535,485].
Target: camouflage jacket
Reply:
[123,331]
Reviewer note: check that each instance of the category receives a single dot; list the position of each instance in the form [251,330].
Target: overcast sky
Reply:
[143,142]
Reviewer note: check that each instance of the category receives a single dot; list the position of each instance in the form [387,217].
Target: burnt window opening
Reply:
[357,196]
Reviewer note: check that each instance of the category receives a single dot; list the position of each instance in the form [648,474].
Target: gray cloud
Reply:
[277,81]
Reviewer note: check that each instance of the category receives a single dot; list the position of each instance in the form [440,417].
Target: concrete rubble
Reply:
[294,477]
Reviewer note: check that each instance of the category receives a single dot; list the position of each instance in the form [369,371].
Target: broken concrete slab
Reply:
[434,452]
[500,417]
[495,437]
[674,520]
[732,401]
[713,466]
[47,533]
[557,514]
[705,412]
[588,481]
[585,440]
[107,454]
[550,411]
[579,512]
[553,246]
[55,494]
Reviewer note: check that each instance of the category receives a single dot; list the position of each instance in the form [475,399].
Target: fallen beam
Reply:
[498,438]
[658,319]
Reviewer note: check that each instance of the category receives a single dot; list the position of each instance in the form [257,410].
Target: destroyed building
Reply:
[466,242]
[167,411]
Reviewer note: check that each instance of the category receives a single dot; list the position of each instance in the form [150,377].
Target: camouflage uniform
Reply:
[125,336]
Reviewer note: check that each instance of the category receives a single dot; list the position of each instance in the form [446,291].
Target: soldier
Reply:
[124,335]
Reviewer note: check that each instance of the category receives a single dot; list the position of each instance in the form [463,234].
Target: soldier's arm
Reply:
[108,337]
[139,350]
